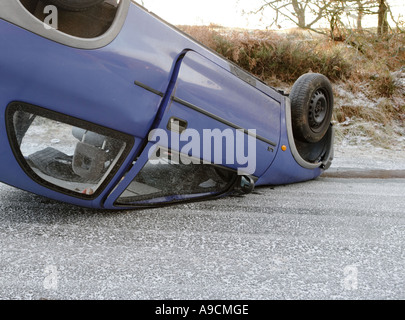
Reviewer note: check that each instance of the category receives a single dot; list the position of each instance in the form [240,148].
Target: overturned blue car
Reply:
[105,105]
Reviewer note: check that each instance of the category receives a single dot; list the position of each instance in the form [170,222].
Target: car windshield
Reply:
[91,22]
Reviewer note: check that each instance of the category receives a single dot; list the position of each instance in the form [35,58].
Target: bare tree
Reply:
[296,11]
[360,15]
[306,14]
[346,9]
[383,25]
[381,8]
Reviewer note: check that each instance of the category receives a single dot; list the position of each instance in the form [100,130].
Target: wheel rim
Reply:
[318,110]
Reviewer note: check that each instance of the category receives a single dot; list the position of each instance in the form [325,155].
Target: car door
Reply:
[238,126]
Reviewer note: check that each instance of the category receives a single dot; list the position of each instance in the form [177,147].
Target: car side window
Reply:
[88,22]
[165,178]
[63,153]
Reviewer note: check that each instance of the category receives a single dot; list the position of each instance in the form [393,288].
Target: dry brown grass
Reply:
[270,54]
[364,71]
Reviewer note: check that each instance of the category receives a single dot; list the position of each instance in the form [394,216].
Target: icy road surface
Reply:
[331,238]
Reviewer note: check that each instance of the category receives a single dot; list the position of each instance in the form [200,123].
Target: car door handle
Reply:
[177,125]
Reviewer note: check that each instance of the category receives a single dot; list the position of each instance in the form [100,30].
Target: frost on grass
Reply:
[370,130]
[362,117]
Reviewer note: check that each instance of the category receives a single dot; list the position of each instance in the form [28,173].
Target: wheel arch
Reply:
[328,155]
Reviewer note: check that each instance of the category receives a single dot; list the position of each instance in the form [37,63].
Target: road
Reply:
[331,238]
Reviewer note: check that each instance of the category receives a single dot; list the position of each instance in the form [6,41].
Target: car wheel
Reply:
[75,5]
[311,107]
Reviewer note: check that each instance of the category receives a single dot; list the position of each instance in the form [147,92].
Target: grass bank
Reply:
[368,74]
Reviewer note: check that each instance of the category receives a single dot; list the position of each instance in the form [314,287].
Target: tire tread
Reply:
[300,95]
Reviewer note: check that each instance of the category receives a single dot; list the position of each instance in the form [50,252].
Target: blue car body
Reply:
[135,78]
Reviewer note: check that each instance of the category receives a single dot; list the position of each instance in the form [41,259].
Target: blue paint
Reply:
[98,86]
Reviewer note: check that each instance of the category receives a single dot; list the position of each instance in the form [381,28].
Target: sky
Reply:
[228,13]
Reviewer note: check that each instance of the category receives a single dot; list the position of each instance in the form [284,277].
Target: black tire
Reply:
[311,107]
[74,5]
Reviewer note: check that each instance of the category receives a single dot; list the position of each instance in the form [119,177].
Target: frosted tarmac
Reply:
[331,238]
